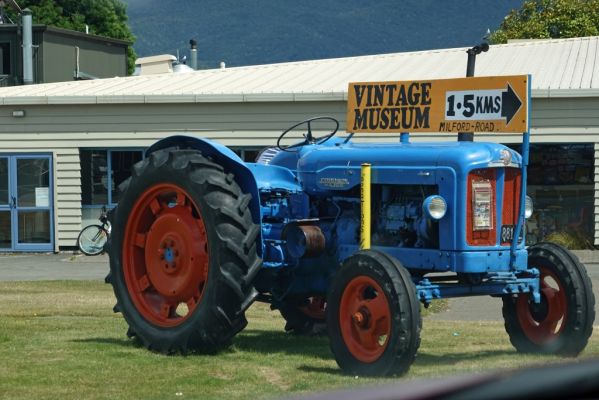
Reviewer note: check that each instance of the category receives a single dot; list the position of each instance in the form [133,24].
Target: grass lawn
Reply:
[61,340]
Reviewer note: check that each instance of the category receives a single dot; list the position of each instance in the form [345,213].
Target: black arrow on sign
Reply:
[510,104]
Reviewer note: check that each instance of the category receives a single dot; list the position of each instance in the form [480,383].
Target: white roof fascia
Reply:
[120,99]
[259,97]
[170,98]
[71,100]
[539,93]
[220,97]
[556,93]
[24,100]
[327,96]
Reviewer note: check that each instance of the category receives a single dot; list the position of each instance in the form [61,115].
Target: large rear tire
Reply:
[563,322]
[183,253]
[373,315]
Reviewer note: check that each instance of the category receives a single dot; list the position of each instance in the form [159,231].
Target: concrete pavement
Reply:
[62,266]
[486,308]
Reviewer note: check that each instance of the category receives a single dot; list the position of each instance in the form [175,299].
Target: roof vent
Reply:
[161,64]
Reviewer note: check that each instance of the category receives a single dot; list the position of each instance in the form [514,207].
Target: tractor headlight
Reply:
[505,156]
[434,207]
[528,207]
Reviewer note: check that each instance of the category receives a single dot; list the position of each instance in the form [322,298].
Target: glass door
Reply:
[26,217]
[31,203]
[5,206]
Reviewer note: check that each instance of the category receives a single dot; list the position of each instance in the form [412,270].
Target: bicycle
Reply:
[92,238]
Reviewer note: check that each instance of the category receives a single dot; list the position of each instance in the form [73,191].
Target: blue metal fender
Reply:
[224,156]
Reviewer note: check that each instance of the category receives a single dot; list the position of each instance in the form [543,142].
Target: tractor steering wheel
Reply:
[309,139]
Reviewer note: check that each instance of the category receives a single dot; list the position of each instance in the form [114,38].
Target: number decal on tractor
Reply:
[507,233]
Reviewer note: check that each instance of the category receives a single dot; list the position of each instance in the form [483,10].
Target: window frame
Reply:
[241,151]
[108,150]
[9,46]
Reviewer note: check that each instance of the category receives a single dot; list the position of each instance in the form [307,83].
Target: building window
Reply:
[5,59]
[560,182]
[247,154]
[102,171]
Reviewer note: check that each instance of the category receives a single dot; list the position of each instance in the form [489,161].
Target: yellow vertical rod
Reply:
[365,207]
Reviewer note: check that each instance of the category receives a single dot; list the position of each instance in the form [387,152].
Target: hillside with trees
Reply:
[267,31]
[543,19]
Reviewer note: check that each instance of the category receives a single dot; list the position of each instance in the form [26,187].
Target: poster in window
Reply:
[42,197]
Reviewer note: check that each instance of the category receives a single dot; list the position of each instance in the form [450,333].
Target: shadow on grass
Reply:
[422,360]
[269,342]
[133,343]
[266,342]
[323,370]
[428,359]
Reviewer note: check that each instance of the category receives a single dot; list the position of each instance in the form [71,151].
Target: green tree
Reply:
[540,19]
[103,17]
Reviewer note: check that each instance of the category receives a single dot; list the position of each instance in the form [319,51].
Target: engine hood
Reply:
[460,156]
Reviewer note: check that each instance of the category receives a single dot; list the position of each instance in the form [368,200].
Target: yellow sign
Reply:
[478,104]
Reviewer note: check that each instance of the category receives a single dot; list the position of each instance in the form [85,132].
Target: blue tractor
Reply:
[338,234]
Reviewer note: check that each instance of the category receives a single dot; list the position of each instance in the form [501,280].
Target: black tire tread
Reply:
[577,331]
[236,235]
[405,362]
[408,321]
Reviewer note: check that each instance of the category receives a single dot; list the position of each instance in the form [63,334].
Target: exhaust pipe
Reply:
[193,62]
[472,53]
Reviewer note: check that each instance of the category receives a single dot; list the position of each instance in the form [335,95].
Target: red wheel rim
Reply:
[544,323]
[365,319]
[165,255]
[316,308]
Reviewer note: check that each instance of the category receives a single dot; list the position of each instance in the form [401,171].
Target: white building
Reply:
[64,147]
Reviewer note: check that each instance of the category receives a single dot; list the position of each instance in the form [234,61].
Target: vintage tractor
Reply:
[336,232]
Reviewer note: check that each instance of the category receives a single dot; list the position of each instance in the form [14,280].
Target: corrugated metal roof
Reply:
[559,68]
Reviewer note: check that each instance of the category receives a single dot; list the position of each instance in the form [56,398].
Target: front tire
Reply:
[373,315]
[563,322]
[183,253]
